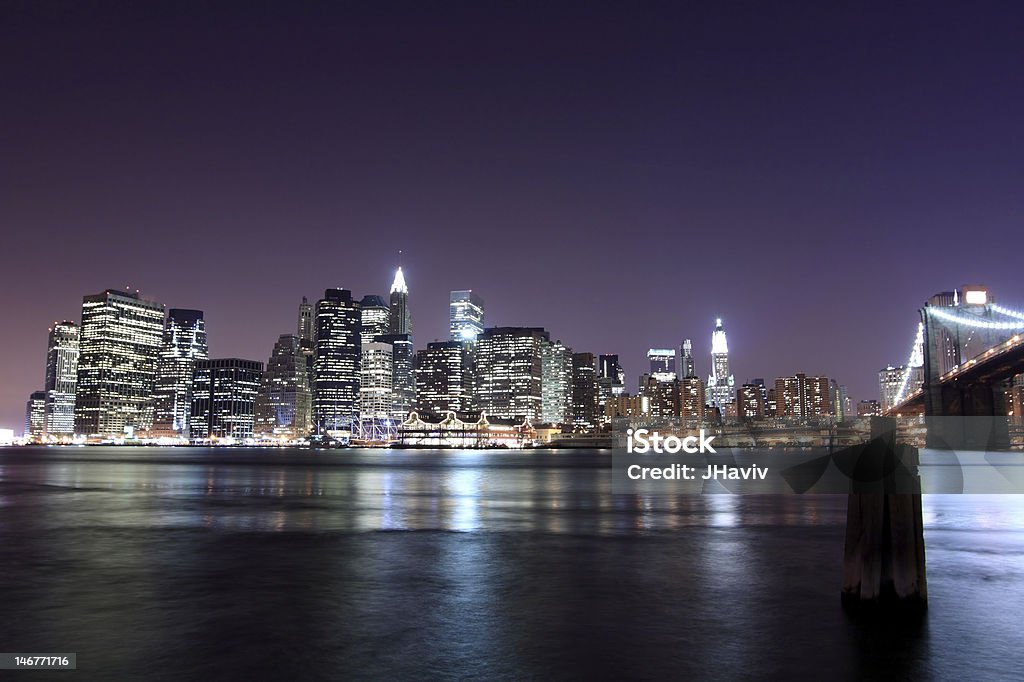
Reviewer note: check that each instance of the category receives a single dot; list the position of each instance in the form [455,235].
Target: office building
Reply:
[442,369]
[802,399]
[750,402]
[224,392]
[284,405]
[692,399]
[687,367]
[375,316]
[556,383]
[184,344]
[662,363]
[337,350]
[509,371]
[465,315]
[35,416]
[61,379]
[400,317]
[609,368]
[721,385]
[585,399]
[119,344]
[403,374]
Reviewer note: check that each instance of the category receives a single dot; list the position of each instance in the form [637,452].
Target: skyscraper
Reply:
[465,315]
[802,398]
[750,403]
[284,405]
[609,368]
[305,326]
[120,340]
[401,319]
[224,399]
[375,316]
[35,416]
[556,383]
[692,400]
[509,371]
[687,368]
[585,403]
[403,378]
[663,363]
[337,348]
[721,385]
[376,404]
[442,370]
[184,342]
[61,379]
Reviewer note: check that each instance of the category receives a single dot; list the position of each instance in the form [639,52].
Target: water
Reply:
[181,563]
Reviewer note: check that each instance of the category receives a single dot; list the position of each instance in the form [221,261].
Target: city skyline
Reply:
[621,188]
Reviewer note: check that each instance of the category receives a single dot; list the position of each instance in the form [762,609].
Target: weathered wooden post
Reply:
[884,558]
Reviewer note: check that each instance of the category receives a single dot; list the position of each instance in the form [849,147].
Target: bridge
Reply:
[965,355]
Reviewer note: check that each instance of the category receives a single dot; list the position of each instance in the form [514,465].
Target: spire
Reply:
[719,346]
[399,284]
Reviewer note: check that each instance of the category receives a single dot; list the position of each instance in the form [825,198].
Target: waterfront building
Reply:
[35,416]
[61,379]
[556,383]
[337,349]
[509,371]
[377,419]
[585,399]
[184,343]
[119,344]
[224,394]
[403,374]
[627,407]
[721,385]
[465,315]
[442,370]
[284,406]
[477,431]
[662,397]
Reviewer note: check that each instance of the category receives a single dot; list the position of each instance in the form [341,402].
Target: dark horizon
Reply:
[810,174]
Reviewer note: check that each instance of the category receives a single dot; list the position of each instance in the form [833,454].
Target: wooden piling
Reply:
[884,563]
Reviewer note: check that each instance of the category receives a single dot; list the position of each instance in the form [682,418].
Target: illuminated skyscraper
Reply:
[120,341]
[376,398]
[803,399]
[663,363]
[442,370]
[284,405]
[556,383]
[375,316]
[305,326]
[585,402]
[337,348]
[401,319]
[184,343]
[509,371]
[224,399]
[721,385]
[61,379]
[465,315]
[403,378]
[35,416]
[692,400]
[609,368]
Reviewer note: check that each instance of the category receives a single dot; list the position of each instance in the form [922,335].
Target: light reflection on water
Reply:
[494,564]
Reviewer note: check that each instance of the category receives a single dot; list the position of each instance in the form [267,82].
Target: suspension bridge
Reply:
[966,352]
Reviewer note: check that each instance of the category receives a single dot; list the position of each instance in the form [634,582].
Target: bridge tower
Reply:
[958,326]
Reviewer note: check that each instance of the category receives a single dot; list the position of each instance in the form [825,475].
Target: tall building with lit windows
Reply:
[721,385]
[305,326]
[61,379]
[692,400]
[585,399]
[465,315]
[337,350]
[403,376]
[687,367]
[284,404]
[375,316]
[184,343]
[442,370]
[803,399]
[376,396]
[509,371]
[556,383]
[610,369]
[35,416]
[119,344]
[400,317]
[663,363]
[224,393]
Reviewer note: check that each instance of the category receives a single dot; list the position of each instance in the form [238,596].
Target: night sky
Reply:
[620,174]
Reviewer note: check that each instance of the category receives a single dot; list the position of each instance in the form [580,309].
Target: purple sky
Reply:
[809,173]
